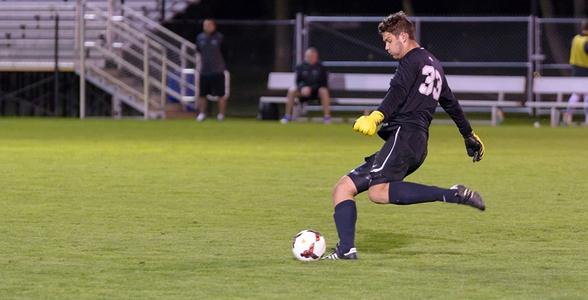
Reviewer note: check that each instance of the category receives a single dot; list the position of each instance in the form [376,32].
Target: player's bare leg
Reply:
[406,193]
[323,93]
[290,98]
[202,102]
[222,108]
[345,217]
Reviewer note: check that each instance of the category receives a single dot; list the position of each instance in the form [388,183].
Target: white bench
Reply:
[364,82]
[558,86]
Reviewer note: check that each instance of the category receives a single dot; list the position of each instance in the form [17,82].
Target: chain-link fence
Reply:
[553,41]
[254,49]
[470,42]
[526,46]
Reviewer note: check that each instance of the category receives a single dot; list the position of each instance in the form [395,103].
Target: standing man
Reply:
[579,62]
[405,114]
[311,84]
[213,73]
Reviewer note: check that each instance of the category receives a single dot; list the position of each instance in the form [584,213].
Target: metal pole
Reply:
[162,12]
[182,72]
[81,30]
[109,25]
[538,58]
[305,33]
[417,25]
[530,26]
[56,105]
[163,77]
[145,79]
[298,39]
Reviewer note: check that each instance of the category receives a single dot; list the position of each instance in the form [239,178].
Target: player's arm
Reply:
[474,145]
[405,75]
[299,78]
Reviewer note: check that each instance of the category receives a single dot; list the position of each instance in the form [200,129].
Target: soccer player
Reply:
[213,74]
[579,62]
[311,84]
[405,114]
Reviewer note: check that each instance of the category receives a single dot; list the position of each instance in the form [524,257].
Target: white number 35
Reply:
[433,82]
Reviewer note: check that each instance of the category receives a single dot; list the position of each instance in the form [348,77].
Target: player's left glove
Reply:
[474,147]
[368,124]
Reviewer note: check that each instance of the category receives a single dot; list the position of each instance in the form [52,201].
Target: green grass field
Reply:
[179,210]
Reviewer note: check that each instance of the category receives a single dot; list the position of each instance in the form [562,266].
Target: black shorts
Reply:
[313,95]
[402,154]
[212,84]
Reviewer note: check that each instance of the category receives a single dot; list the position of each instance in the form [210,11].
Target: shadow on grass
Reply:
[376,241]
[383,242]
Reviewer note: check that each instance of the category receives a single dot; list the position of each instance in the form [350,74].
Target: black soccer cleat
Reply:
[469,197]
[351,254]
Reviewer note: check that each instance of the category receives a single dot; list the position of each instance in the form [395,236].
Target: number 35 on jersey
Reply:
[432,83]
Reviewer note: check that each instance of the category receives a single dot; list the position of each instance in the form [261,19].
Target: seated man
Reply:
[311,84]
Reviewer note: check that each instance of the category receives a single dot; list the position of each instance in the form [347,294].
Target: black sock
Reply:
[406,193]
[345,217]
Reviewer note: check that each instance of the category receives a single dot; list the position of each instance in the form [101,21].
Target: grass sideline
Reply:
[180,210]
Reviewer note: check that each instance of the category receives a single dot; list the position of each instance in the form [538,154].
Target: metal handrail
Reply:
[159,27]
[170,63]
[171,67]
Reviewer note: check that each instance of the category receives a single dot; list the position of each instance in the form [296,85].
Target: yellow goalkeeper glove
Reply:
[368,124]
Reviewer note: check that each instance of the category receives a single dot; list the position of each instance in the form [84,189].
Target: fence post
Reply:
[417,26]
[537,57]
[182,71]
[530,35]
[305,35]
[109,25]
[162,11]
[163,78]
[145,79]
[298,34]
[82,49]
[56,107]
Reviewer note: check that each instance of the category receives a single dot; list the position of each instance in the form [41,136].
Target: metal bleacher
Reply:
[127,52]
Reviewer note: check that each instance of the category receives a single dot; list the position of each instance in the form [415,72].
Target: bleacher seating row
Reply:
[500,86]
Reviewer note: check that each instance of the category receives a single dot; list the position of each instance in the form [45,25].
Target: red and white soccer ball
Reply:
[308,245]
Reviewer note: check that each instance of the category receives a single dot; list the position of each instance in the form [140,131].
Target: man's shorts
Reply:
[212,84]
[314,95]
[402,154]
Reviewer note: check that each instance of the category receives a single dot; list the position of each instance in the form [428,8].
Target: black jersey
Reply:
[213,52]
[418,85]
[314,76]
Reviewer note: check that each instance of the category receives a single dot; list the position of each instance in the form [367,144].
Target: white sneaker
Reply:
[201,117]
[220,117]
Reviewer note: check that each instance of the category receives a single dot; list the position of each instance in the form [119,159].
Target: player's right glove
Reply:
[368,124]
[474,147]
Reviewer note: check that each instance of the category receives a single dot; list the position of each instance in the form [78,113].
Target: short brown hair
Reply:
[397,23]
[585,25]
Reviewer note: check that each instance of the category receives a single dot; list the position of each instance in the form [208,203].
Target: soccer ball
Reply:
[308,245]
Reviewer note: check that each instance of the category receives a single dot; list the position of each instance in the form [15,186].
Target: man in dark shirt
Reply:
[405,114]
[214,76]
[311,84]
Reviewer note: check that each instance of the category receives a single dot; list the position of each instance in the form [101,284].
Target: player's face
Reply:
[394,44]
[208,26]
[311,57]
